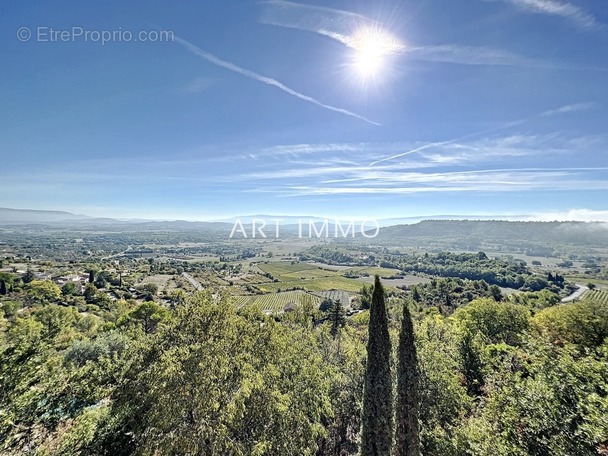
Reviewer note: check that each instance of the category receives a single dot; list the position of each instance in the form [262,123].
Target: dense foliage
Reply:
[517,375]
[494,271]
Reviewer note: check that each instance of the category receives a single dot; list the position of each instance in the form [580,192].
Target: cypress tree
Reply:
[2,287]
[377,419]
[407,439]
[337,318]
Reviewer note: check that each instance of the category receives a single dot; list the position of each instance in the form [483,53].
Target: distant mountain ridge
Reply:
[17,216]
[469,233]
[8,215]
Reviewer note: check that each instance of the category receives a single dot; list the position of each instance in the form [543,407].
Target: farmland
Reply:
[336,295]
[600,296]
[320,284]
[276,302]
[305,276]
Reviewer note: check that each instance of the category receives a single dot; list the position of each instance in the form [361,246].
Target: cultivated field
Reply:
[321,284]
[336,295]
[407,280]
[276,302]
[600,296]
[162,281]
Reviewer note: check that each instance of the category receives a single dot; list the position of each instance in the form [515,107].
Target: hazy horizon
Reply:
[383,109]
[571,216]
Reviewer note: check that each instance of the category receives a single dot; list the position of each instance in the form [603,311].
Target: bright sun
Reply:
[372,46]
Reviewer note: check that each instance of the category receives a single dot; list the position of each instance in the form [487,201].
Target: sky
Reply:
[340,109]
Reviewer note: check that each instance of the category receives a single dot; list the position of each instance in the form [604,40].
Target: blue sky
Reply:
[334,109]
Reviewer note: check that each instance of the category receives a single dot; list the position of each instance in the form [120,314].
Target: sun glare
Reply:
[372,46]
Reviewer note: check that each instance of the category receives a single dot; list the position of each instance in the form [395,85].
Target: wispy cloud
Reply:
[570,108]
[573,13]
[266,80]
[353,30]
[505,126]
[472,55]
[485,181]
[412,151]
[346,27]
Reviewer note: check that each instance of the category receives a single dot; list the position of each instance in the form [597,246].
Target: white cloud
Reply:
[471,55]
[354,30]
[573,13]
[348,28]
[581,215]
[570,108]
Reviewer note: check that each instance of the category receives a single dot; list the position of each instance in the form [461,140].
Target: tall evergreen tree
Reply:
[377,419]
[337,317]
[416,294]
[407,439]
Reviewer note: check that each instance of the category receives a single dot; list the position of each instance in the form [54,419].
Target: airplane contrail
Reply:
[266,80]
[418,149]
[563,109]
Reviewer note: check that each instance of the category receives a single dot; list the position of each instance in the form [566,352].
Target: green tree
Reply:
[178,297]
[584,323]
[28,276]
[416,294]
[90,293]
[92,273]
[496,292]
[68,289]
[377,415]
[8,280]
[215,382]
[407,432]
[326,305]
[42,292]
[337,317]
[444,402]
[3,290]
[497,322]
[553,403]
[148,315]
[471,363]
[366,297]
[150,290]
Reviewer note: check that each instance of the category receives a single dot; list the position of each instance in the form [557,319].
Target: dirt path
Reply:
[197,286]
[577,294]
